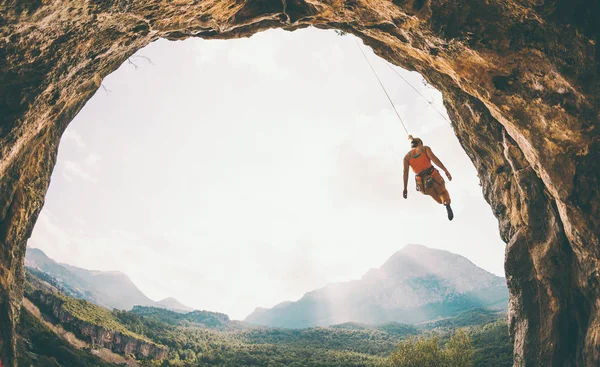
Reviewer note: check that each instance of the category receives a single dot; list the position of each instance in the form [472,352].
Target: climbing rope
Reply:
[416,90]
[382,87]
[407,82]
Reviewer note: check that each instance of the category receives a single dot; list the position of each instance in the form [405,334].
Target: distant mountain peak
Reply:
[415,284]
[413,247]
[173,304]
[35,250]
[168,299]
[36,257]
[111,289]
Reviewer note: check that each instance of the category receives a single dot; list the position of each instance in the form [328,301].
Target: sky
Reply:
[243,173]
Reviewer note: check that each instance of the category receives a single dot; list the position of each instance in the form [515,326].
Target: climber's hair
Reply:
[414,142]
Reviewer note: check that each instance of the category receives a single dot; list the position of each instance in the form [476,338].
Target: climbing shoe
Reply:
[449,210]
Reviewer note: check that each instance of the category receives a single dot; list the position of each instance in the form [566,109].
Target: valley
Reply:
[76,332]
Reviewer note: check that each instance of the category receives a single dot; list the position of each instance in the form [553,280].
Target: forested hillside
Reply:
[202,338]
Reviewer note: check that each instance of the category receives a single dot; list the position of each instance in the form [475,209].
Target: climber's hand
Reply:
[448,175]
[405,193]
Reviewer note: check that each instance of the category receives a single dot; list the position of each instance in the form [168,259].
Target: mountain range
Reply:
[110,289]
[417,284]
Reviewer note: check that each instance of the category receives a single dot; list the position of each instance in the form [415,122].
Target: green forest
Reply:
[194,345]
[478,337]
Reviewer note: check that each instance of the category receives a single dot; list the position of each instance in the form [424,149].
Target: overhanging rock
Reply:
[519,80]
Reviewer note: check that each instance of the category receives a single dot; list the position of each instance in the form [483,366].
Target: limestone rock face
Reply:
[97,335]
[519,79]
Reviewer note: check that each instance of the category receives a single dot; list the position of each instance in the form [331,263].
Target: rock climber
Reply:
[428,179]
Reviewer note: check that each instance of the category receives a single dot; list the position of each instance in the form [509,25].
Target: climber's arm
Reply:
[437,162]
[405,193]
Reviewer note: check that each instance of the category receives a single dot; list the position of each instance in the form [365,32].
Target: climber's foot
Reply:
[449,210]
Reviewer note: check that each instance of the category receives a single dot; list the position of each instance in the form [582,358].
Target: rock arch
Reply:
[520,81]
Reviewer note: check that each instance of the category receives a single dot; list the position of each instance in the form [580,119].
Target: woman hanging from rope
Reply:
[429,181]
[427,177]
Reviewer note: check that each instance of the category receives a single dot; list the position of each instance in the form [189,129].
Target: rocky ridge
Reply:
[116,341]
[519,80]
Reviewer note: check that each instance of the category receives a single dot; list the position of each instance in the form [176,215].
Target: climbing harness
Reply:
[424,180]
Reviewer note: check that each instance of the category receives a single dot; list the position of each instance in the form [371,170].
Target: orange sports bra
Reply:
[418,160]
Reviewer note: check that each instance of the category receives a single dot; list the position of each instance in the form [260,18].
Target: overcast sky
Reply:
[243,173]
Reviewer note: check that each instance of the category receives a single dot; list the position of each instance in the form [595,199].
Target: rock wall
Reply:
[519,79]
[97,335]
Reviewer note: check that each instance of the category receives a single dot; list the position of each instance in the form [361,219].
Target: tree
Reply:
[458,350]
[426,352]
